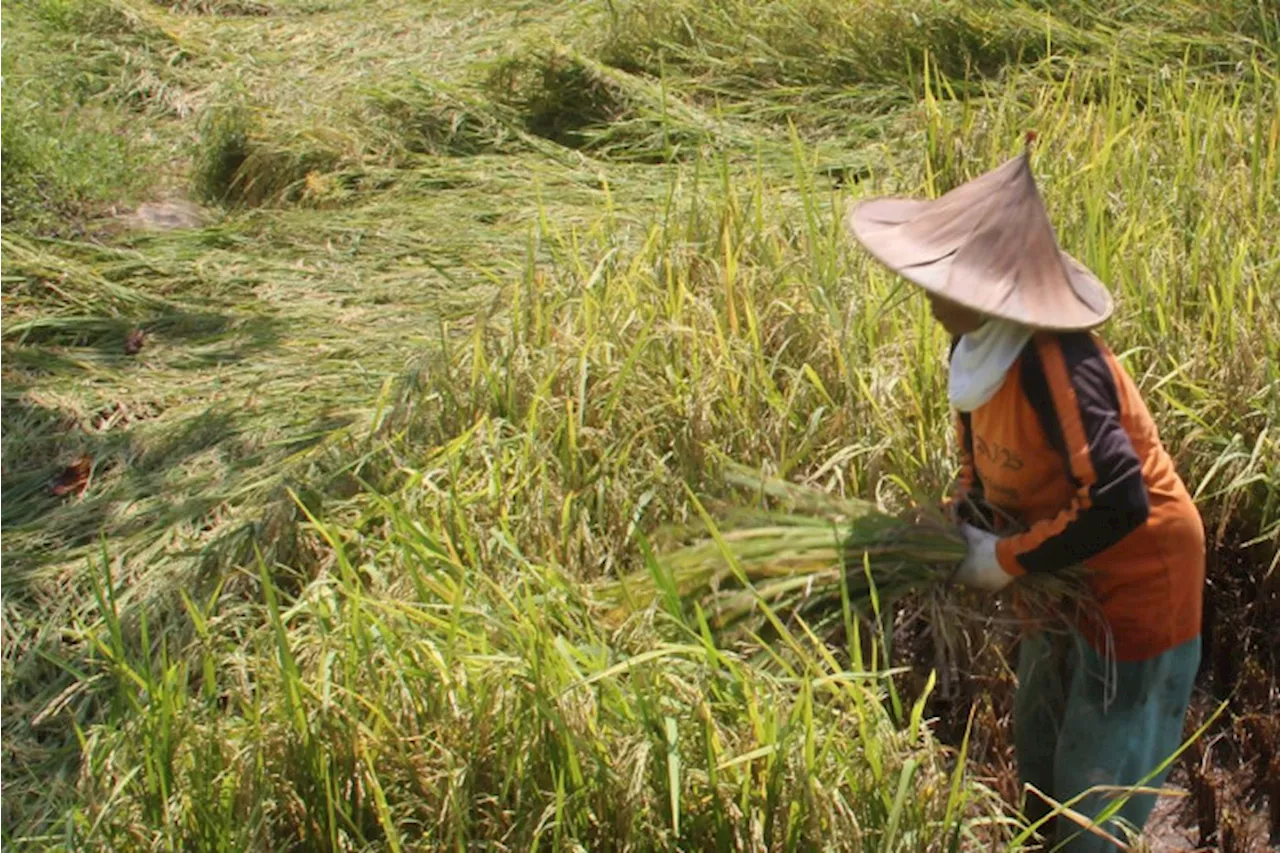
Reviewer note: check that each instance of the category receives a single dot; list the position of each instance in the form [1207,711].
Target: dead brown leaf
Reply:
[74,478]
[133,343]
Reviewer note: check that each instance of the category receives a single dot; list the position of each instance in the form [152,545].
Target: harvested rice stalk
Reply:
[793,560]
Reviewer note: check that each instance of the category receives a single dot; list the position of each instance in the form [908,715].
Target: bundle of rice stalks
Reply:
[812,553]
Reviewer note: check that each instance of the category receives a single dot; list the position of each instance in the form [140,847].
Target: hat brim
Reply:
[988,246]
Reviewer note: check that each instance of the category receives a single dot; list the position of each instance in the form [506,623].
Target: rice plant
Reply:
[386,508]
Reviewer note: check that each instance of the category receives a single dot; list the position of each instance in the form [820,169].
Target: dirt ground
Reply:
[1229,778]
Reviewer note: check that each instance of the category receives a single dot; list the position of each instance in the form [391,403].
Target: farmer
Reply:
[1054,435]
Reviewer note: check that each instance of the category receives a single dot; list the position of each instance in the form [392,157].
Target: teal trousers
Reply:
[1079,724]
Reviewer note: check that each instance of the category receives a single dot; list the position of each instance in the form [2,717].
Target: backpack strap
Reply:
[1035,385]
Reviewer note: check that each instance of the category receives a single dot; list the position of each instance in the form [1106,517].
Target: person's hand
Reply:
[980,569]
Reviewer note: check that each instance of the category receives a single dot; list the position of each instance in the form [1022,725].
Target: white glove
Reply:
[980,569]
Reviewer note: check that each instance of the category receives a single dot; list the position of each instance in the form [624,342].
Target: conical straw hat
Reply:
[987,245]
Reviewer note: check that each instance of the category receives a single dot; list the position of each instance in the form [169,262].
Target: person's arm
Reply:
[968,501]
[1076,388]
[967,483]
[968,487]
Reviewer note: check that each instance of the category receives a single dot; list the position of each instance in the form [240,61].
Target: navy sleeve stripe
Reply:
[1118,502]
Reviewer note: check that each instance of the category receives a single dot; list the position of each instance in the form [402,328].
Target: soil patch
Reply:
[1231,776]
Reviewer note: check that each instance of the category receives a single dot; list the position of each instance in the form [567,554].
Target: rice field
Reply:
[317,506]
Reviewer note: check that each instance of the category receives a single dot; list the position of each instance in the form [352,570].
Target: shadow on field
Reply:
[123,485]
[126,472]
[145,489]
[205,338]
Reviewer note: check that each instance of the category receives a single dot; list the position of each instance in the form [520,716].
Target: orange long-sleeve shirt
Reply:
[1067,447]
